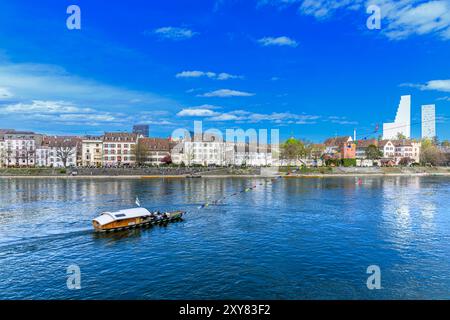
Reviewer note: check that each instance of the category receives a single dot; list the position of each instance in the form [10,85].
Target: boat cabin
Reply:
[121,219]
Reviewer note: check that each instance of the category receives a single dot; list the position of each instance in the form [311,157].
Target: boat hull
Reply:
[137,222]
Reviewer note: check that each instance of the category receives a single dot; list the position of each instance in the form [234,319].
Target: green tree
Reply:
[430,154]
[426,143]
[401,136]
[348,162]
[293,149]
[141,153]
[316,151]
[373,153]
[445,143]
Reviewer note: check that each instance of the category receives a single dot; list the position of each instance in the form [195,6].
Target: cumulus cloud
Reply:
[278,41]
[209,74]
[225,93]
[213,114]
[205,110]
[175,33]
[196,112]
[435,85]
[242,116]
[60,112]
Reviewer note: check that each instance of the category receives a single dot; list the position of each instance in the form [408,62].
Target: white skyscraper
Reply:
[429,121]
[402,123]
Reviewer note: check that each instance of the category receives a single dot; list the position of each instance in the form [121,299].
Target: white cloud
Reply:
[64,113]
[60,112]
[243,116]
[435,85]
[210,113]
[46,107]
[208,106]
[192,74]
[343,122]
[226,76]
[175,33]
[409,17]
[205,110]
[224,93]
[41,82]
[209,74]
[323,8]
[400,18]
[89,117]
[279,41]
[280,117]
[37,94]
[225,117]
[196,112]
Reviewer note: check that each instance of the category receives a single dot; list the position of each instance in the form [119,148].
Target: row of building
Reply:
[29,149]
[390,152]
[25,149]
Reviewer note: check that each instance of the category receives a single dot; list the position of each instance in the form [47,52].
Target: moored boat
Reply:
[193,176]
[132,218]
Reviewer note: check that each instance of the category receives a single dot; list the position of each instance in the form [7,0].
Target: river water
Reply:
[287,239]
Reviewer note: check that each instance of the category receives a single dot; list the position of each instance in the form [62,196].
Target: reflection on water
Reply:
[290,239]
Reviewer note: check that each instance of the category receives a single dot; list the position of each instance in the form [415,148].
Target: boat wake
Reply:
[34,240]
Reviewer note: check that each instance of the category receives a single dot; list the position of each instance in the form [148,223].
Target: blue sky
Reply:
[308,68]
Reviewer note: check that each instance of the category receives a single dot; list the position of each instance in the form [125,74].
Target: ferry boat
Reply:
[132,218]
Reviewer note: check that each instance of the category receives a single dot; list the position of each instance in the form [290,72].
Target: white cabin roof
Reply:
[107,217]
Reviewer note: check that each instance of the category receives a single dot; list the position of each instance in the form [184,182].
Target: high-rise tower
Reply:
[402,123]
[429,121]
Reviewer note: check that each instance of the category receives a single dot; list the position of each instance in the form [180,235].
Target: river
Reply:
[286,239]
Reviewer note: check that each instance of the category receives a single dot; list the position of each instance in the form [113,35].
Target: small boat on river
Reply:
[133,218]
[193,176]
